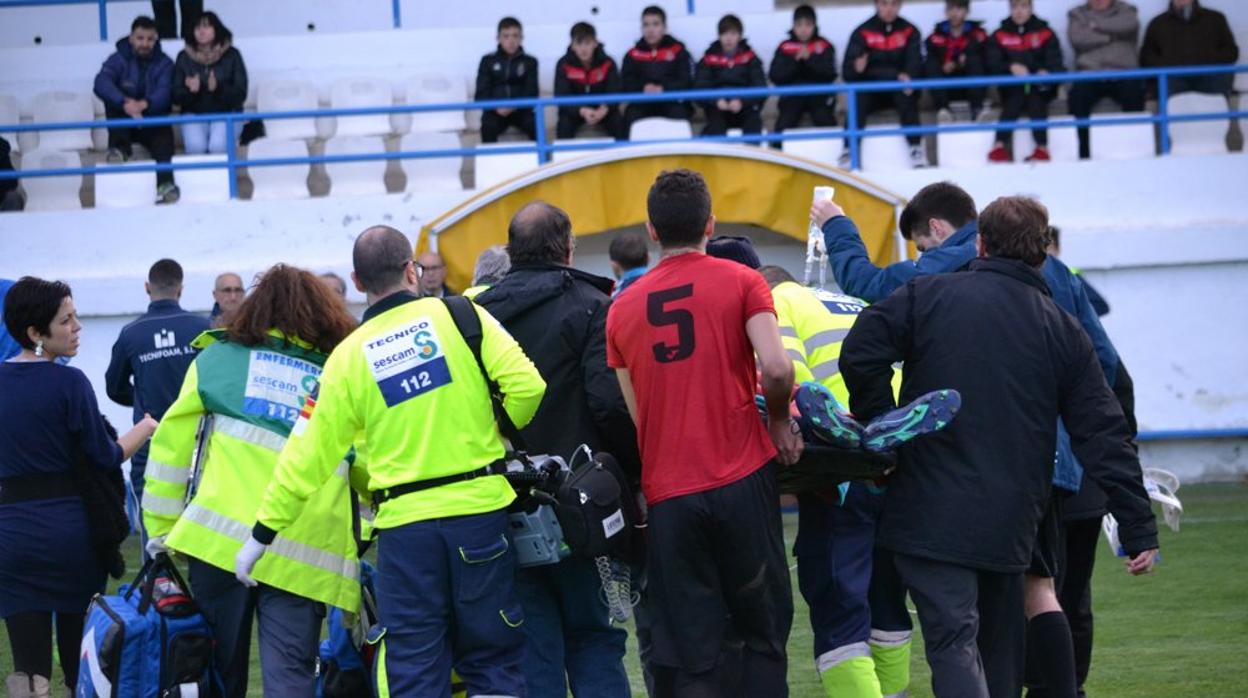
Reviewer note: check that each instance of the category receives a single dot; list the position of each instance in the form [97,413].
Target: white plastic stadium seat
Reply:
[203,186]
[359,178]
[656,128]
[492,169]
[287,95]
[432,174]
[1122,142]
[825,150]
[884,153]
[358,92]
[278,181]
[62,105]
[10,115]
[51,193]
[1197,137]
[964,148]
[561,155]
[125,189]
[432,88]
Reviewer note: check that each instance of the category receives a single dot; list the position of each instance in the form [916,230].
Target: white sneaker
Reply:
[944,116]
[918,157]
[844,160]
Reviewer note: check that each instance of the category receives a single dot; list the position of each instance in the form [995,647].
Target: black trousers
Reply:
[974,95]
[570,122]
[667,110]
[166,18]
[974,628]
[718,121]
[30,640]
[157,139]
[1032,99]
[493,125]
[792,108]
[907,107]
[1129,94]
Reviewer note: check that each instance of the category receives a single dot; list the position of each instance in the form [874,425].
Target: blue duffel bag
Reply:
[147,641]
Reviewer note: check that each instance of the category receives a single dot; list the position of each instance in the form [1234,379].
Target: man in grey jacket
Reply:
[1104,34]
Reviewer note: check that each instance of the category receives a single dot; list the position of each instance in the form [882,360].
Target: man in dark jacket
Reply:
[152,354]
[558,315]
[963,507]
[135,82]
[730,62]
[1024,45]
[884,48]
[10,198]
[657,63]
[508,73]
[586,69]
[804,59]
[1188,34]
[955,48]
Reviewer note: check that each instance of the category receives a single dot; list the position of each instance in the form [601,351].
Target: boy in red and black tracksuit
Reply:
[1024,45]
[586,69]
[657,63]
[730,62]
[508,73]
[886,47]
[804,59]
[955,49]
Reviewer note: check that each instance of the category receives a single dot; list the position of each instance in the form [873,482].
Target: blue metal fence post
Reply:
[231,155]
[398,14]
[539,122]
[851,123]
[103,20]
[1163,96]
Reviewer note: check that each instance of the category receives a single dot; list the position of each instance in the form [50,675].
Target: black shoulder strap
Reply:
[469,326]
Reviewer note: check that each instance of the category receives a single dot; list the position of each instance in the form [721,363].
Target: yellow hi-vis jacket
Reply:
[406,385]
[253,395]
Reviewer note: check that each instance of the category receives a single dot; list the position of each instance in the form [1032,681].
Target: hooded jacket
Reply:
[1032,44]
[892,48]
[231,75]
[742,69]
[573,78]
[667,64]
[124,75]
[1104,40]
[500,76]
[818,68]
[943,47]
[558,316]
[1203,38]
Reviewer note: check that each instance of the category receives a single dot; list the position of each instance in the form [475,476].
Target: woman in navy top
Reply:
[49,420]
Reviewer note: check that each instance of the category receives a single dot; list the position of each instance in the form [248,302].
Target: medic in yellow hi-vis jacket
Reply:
[835,540]
[407,385]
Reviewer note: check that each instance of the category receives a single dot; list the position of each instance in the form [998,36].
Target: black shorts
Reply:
[1049,541]
[717,574]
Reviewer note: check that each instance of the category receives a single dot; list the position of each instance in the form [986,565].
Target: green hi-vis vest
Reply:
[254,395]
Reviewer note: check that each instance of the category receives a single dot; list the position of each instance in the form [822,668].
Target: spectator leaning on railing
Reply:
[209,78]
[1188,34]
[1103,34]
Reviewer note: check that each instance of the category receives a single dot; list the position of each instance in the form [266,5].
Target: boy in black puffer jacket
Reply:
[804,59]
[508,73]
[658,63]
[730,62]
[886,47]
[1024,45]
[955,48]
[586,69]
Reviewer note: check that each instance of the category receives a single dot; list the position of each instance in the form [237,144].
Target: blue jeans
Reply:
[204,137]
[569,631]
[445,592]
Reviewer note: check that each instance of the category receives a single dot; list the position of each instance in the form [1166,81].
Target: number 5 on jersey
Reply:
[660,316]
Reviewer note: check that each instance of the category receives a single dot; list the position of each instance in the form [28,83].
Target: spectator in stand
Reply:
[885,48]
[336,283]
[657,63]
[432,275]
[227,294]
[1103,34]
[1188,34]
[586,69]
[730,62]
[135,82]
[804,59]
[209,78]
[1024,45]
[508,73]
[10,198]
[630,259]
[492,265]
[955,49]
[167,17]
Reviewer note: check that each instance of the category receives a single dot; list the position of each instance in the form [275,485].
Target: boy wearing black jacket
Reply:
[508,73]
[730,62]
[955,49]
[804,59]
[657,63]
[1024,45]
[586,69]
[884,48]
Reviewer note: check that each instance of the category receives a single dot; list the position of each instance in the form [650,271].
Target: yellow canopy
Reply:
[607,189]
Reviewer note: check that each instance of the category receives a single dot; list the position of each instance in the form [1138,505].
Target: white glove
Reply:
[246,561]
[156,545]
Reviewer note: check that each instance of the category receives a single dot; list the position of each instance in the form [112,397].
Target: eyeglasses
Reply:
[231,290]
[431,267]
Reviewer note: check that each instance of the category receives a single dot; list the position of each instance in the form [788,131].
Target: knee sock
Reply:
[1051,652]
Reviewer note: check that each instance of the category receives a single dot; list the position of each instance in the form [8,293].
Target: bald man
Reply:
[432,275]
[228,293]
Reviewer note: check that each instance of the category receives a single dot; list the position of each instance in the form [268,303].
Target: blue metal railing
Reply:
[853,132]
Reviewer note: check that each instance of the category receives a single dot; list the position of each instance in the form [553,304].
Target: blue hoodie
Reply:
[118,79]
